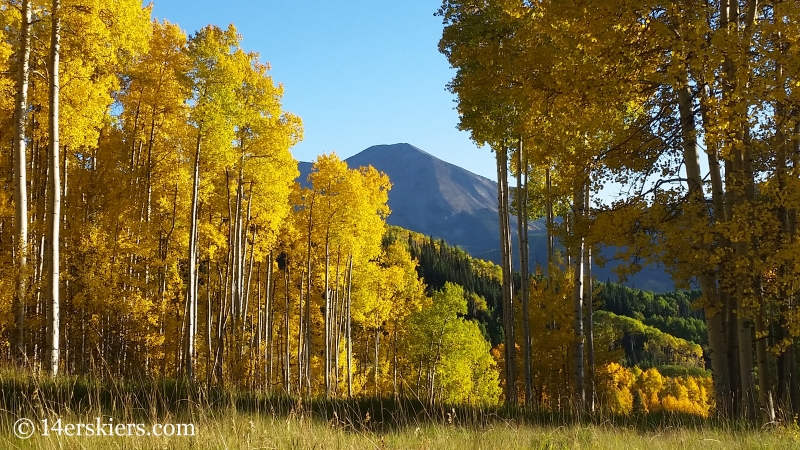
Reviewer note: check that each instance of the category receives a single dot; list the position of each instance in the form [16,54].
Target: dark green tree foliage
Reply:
[670,312]
[440,263]
[691,329]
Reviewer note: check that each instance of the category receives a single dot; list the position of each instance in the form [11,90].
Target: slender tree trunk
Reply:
[765,394]
[54,218]
[788,385]
[394,361]
[248,278]
[308,290]
[375,360]
[717,314]
[549,219]
[348,329]
[748,322]
[337,325]
[508,295]
[300,335]
[587,297]
[743,192]
[222,318]
[287,376]
[191,290]
[268,298]
[522,234]
[41,171]
[579,243]
[327,317]
[21,184]
[255,341]
[718,350]
[210,334]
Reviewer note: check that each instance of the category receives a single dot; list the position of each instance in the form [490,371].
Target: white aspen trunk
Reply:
[510,282]
[191,290]
[307,334]
[209,369]
[348,330]
[587,298]
[246,276]
[21,184]
[287,378]
[55,188]
[222,318]
[337,327]
[308,290]
[255,343]
[267,336]
[508,294]
[237,257]
[300,335]
[268,319]
[327,317]
[578,268]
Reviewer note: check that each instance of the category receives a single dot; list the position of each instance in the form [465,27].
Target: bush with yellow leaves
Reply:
[614,388]
[617,384]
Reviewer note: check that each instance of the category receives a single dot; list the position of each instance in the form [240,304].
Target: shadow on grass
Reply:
[24,395]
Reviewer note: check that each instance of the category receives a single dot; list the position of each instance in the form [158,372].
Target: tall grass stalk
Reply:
[233,419]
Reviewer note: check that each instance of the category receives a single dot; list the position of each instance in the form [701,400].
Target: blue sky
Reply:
[358,72]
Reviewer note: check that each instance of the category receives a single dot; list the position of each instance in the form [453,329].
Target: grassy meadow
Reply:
[237,430]
[224,419]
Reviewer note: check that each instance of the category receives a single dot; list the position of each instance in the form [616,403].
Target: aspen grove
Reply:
[690,111]
[153,226]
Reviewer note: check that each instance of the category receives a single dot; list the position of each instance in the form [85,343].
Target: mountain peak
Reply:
[399,148]
[434,197]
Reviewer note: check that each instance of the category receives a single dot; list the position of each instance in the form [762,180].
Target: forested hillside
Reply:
[634,329]
[674,313]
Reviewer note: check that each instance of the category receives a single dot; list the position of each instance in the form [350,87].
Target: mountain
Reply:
[442,200]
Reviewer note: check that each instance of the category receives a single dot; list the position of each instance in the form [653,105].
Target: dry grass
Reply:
[236,430]
[225,420]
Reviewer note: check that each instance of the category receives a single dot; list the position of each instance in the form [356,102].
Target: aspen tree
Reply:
[20,181]
[54,217]
[522,235]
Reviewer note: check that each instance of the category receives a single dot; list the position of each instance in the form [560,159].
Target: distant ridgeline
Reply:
[440,199]
[660,330]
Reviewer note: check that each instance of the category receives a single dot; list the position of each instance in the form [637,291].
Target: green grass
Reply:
[224,419]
